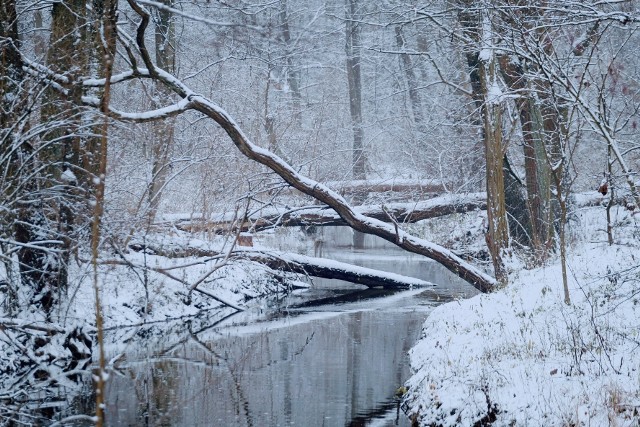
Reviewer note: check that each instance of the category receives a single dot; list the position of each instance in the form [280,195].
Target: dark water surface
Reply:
[333,355]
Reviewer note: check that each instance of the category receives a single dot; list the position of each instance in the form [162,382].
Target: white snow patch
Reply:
[68,176]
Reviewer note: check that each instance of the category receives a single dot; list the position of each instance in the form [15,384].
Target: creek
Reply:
[330,355]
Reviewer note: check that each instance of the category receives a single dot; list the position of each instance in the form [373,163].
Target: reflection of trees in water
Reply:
[154,389]
[193,371]
[198,371]
[170,381]
[235,369]
[346,367]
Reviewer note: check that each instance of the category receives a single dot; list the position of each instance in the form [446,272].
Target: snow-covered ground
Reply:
[522,357]
[158,289]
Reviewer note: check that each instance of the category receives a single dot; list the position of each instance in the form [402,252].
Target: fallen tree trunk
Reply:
[401,213]
[300,264]
[359,222]
[329,269]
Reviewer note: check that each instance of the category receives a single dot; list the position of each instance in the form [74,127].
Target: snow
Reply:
[68,176]
[487,52]
[494,93]
[326,212]
[163,290]
[485,55]
[522,355]
[156,114]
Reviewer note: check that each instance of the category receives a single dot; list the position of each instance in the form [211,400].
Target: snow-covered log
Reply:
[402,213]
[319,216]
[301,264]
[329,269]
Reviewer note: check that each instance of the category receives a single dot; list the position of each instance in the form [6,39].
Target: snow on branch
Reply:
[146,116]
[196,18]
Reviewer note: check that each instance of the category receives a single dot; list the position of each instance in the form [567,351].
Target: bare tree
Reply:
[354,77]
[412,82]
[191,101]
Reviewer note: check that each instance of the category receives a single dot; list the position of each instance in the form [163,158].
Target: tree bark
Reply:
[486,94]
[46,224]
[537,171]
[497,235]
[354,77]
[13,149]
[293,76]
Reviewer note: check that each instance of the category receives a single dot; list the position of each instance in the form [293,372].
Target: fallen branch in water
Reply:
[300,264]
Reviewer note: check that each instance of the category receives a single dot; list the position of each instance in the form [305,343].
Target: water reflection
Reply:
[333,370]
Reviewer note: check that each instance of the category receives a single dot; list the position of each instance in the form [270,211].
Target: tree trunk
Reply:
[401,213]
[497,235]
[301,264]
[54,216]
[356,221]
[412,85]
[353,50]
[486,94]
[355,88]
[518,214]
[163,132]
[107,25]
[13,149]
[293,77]
[537,171]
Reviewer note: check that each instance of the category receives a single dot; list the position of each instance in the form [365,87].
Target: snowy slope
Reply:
[520,356]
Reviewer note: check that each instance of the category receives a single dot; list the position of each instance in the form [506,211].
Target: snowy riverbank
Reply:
[521,357]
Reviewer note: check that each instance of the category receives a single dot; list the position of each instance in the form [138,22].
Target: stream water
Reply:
[332,355]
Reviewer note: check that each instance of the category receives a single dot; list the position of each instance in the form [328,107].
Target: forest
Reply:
[152,151]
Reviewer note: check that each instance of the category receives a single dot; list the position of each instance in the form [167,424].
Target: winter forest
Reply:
[325,212]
